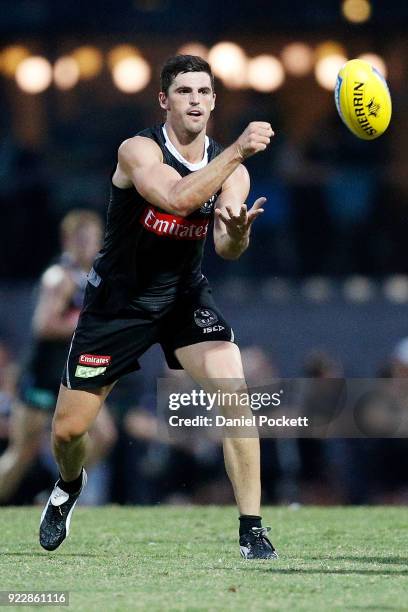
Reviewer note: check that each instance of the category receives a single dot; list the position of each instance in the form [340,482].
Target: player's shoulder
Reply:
[154,133]
[139,146]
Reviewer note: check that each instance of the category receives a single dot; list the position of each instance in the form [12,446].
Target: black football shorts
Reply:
[104,348]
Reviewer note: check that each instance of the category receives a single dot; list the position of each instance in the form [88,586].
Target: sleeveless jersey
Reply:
[150,256]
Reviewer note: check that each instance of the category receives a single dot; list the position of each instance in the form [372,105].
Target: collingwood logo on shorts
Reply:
[204,317]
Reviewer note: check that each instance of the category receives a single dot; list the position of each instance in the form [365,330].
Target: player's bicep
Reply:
[155,183]
[141,160]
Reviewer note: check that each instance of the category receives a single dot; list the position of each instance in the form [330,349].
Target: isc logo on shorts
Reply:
[215,328]
[95,360]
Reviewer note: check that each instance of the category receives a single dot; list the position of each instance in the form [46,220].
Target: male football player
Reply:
[147,287]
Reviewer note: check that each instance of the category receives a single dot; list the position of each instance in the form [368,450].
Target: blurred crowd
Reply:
[139,464]
[334,208]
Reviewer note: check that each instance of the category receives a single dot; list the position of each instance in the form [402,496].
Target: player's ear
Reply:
[213,102]
[164,101]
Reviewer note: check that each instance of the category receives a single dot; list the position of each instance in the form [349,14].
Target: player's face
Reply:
[189,101]
[86,242]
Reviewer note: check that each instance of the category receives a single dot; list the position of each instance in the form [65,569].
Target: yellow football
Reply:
[362,99]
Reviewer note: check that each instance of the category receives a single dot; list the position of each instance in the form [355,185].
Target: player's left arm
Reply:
[232,220]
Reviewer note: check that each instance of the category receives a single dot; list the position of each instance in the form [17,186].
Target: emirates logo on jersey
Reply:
[173,226]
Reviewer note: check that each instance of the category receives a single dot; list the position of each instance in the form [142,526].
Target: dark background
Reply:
[336,204]
[327,266]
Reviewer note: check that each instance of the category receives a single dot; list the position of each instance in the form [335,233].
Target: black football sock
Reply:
[72,486]
[247,521]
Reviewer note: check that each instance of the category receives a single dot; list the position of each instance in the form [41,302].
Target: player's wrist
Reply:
[238,152]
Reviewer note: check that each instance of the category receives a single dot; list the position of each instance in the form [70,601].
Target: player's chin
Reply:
[196,126]
[197,129]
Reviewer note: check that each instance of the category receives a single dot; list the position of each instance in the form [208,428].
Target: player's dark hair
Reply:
[181,64]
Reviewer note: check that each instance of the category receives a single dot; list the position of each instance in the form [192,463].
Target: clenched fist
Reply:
[254,138]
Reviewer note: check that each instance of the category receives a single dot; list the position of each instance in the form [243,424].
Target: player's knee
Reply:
[68,430]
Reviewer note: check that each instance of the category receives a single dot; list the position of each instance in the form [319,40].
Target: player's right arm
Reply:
[140,160]
[50,319]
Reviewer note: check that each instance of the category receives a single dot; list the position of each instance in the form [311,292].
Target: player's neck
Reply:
[190,146]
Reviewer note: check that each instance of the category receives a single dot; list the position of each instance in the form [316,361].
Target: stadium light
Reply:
[121,52]
[194,48]
[34,74]
[358,289]
[356,11]
[329,47]
[131,74]
[317,289]
[265,73]
[276,290]
[376,61]
[238,79]
[326,70]
[229,62]
[66,72]
[11,57]
[396,288]
[297,58]
[89,60]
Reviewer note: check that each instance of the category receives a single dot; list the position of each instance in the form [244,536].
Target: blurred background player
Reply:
[8,374]
[56,313]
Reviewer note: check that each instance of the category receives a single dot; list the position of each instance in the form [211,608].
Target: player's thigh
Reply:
[76,410]
[213,363]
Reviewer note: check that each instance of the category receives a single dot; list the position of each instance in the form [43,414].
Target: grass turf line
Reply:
[187,558]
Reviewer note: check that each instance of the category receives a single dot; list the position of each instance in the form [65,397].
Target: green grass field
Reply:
[182,558]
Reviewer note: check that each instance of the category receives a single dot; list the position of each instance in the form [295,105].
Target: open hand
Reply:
[238,226]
